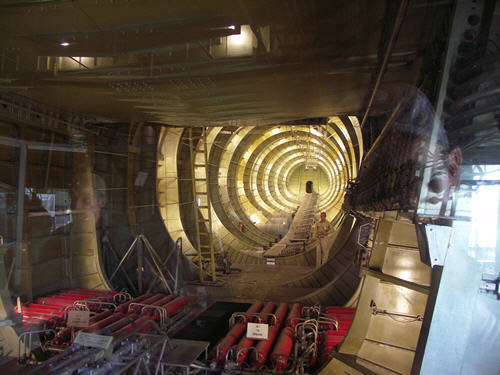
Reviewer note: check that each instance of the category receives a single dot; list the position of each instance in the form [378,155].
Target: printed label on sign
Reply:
[94,341]
[78,318]
[257,331]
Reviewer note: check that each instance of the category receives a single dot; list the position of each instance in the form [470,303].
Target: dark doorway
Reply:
[309,187]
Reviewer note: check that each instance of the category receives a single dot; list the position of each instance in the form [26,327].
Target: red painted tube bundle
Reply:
[115,326]
[38,307]
[175,305]
[255,308]
[331,339]
[83,297]
[243,345]
[147,301]
[103,323]
[295,312]
[264,346]
[100,316]
[138,323]
[267,309]
[64,334]
[43,316]
[159,303]
[282,349]
[235,333]
[232,336]
[56,301]
[281,313]
[124,306]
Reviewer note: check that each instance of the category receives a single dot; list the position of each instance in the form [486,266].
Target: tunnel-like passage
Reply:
[256,174]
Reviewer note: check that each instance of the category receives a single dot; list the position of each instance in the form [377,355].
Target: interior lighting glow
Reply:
[64,44]
[315,132]
[275,131]
[240,39]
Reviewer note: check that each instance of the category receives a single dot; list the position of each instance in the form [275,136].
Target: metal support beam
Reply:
[388,53]
[21,182]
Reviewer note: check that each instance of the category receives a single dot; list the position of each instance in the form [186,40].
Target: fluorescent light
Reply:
[64,44]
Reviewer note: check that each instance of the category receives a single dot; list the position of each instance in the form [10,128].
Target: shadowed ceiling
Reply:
[195,63]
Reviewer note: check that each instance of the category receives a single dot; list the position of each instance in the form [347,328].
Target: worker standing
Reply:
[321,230]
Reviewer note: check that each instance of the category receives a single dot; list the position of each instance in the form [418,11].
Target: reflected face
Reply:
[85,199]
[323,216]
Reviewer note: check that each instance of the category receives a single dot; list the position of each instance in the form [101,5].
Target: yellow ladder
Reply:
[198,152]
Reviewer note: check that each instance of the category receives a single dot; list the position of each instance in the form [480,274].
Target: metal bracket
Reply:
[438,242]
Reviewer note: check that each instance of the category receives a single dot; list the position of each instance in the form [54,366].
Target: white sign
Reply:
[78,318]
[257,331]
[92,340]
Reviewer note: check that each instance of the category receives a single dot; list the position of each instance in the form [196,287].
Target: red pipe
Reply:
[281,313]
[147,301]
[175,305]
[295,312]
[163,301]
[100,316]
[103,323]
[129,327]
[45,315]
[264,346]
[41,311]
[229,340]
[256,306]
[245,343]
[40,307]
[84,297]
[268,309]
[121,323]
[282,349]
[234,334]
[124,306]
[65,334]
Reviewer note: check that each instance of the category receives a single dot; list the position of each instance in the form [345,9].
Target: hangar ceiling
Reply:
[210,63]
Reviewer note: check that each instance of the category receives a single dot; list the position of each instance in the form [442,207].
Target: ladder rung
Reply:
[202,220]
[199,165]
[201,193]
[203,207]
[200,179]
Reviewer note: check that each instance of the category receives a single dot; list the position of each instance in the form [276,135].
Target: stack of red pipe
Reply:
[234,334]
[283,347]
[280,339]
[123,319]
[52,306]
[331,337]
[263,347]
[279,342]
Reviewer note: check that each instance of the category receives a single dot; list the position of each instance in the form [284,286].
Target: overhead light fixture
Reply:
[64,44]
